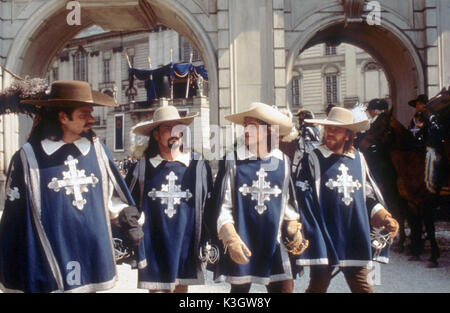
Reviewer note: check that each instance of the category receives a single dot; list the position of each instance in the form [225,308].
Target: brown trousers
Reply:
[357,279]
[283,286]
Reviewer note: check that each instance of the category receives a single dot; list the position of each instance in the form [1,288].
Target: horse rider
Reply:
[375,108]
[419,124]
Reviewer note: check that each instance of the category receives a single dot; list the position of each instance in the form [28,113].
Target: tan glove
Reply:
[236,247]
[384,218]
[295,244]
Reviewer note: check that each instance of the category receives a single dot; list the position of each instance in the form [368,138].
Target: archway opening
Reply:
[342,75]
[396,56]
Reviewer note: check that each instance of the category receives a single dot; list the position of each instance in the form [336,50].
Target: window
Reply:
[106,72]
[296,91]
[330,50]
[119,132]
[331,89]
[80,65]
[371,66]
[54,74]
[186,50]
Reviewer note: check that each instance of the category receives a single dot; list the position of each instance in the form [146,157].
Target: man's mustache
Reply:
[173,140]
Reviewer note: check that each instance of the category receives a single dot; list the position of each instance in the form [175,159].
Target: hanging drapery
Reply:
[154,79]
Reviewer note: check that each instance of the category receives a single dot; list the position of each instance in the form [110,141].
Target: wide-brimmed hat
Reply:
[422,98]
[306,113]
[377,104]
[265,113]
[163,115]
[342,118]
[73,93]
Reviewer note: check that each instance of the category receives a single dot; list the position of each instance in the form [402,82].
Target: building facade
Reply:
[101,58]
[342,75]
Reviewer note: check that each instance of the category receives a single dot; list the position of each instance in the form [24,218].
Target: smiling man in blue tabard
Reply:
[339,202]
[257,207]
[63,192]
[172,187]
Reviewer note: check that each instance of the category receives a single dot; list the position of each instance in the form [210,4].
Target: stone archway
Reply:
[385,43]
[47,31]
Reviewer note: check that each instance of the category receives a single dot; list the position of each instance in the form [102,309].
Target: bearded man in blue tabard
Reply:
[340,203]
[63,194]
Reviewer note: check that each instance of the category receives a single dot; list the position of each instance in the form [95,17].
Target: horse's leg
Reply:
[429,217]
[399,208]
[415,223]
[402,206]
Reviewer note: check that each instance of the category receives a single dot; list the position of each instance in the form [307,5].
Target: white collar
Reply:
[50,146]
[327,152]
[276,153]
[183,158]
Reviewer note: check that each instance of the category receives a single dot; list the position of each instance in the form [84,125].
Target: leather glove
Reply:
[128,220]
[295,244]
[233,243]
[384,219]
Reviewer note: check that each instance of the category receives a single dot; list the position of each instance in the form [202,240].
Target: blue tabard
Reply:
[335,223]
[170,237]
[57,246]
[259,230]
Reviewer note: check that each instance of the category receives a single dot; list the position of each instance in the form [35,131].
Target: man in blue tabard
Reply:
[340,202]
[257,207]
[172,187]
[63,193]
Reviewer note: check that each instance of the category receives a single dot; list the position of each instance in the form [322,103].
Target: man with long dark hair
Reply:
[172,188]
[257,210]
[339,202]
[63,193]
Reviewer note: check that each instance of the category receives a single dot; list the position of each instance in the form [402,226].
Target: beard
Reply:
[334,144]
[89,134]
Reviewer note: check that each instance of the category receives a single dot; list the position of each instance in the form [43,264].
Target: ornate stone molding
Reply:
[353,10]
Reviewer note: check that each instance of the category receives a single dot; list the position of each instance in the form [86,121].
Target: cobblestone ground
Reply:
[399,276]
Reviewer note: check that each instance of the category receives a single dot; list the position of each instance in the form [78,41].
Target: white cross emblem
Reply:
[344,184]
[75,182]
[13,194]
[260,191]
[304,185]
[170,194]
[415,130]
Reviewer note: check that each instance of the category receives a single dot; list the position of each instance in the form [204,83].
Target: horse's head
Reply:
[387,133]
[379,134]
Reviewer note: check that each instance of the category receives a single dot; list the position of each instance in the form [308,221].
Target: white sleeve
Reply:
[226,207]
[115,204]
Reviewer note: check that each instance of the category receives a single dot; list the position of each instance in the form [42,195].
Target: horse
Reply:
[384,173]
[408,159]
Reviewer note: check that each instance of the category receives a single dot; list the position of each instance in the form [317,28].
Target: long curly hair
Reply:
[46,124]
